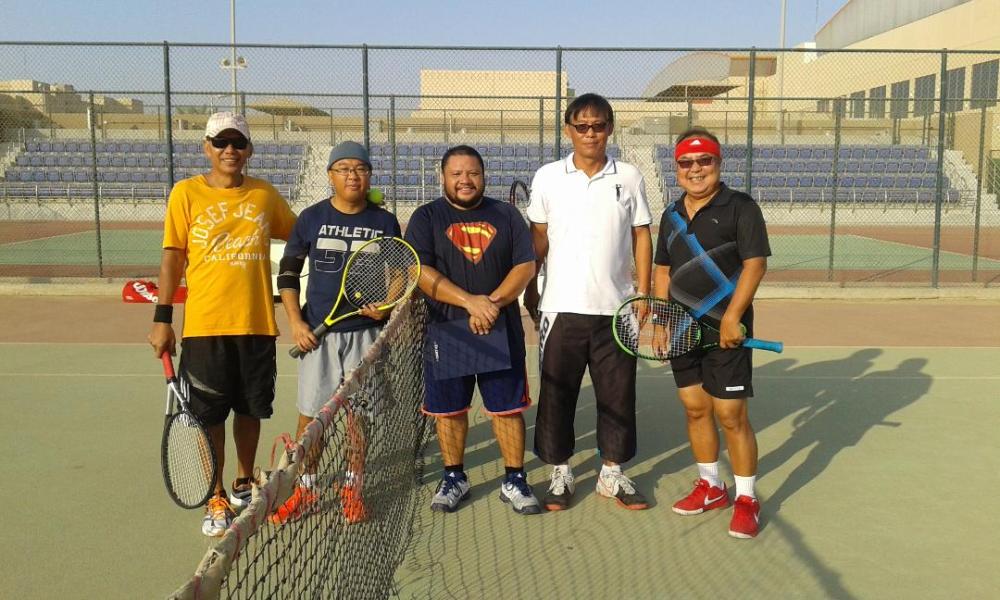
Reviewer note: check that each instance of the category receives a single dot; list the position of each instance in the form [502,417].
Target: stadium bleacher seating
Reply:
[805,174]
[134,169]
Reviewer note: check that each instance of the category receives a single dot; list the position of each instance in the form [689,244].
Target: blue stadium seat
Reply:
[892,167]
[493,164]
[778,181]
[493,180]
[805,180]
[737,181]
[494,150]
[402,149]
[850,166]
[413,164]
[384,179]
[792,182]
[506,180]
[878,167]
[520,150]
[895,153]
[118,161]
[871,154]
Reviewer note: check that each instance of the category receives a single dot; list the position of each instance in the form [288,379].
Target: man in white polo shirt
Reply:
[589,222]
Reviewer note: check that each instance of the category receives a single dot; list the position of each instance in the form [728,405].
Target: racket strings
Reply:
[657,329]
[190,464]
[381,276]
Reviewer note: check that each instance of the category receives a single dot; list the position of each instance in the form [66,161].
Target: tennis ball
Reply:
[375,196]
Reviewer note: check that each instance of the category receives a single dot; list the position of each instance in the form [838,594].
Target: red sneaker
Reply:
[745,518]
[353,504]
[301,502]
[703,497]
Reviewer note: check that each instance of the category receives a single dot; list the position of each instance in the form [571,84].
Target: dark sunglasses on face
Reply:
[583,127]
[703,161]
[220,143]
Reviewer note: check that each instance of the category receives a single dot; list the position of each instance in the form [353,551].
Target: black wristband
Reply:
[164,314]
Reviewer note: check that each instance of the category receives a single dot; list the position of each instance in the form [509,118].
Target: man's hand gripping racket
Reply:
[187,457]
[381,274]
[658,329]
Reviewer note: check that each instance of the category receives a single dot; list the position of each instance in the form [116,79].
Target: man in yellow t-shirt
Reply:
[218,232]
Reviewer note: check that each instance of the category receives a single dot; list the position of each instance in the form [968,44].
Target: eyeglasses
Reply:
[583,127]
[220,143]
[360,171]
[703,161]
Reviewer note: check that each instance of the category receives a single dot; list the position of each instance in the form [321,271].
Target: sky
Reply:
[586,23]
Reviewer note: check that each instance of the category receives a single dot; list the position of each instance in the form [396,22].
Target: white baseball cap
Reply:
[222,121]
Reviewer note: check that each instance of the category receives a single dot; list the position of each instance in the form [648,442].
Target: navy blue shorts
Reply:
[504,392]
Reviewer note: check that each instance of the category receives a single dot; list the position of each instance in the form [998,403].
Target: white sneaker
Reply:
[218,516]
[454,488]
[612,483]
[561,488]
[516,492]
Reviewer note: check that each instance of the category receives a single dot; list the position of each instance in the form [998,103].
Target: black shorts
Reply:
[229,372]
[723,373]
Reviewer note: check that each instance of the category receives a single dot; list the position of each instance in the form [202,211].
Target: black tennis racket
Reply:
[187,456]
[658,329]
[519,195]
[383,272]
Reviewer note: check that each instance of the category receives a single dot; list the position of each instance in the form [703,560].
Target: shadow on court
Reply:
[806,412]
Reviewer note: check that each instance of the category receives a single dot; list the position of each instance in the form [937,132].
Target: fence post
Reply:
[365,98]
[980,182]
[558,101]
[751,83]
[392,144]
[837,115]
[939,184]
[541,131]
[169,120]
[93,173]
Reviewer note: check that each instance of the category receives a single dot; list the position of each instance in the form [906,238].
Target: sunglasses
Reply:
[220,143]
[703,161]
[583,127]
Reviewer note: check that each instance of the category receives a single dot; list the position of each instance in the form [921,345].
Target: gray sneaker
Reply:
[454,488]
[516,492]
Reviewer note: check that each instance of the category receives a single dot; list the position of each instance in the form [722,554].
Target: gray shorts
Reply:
[322,370]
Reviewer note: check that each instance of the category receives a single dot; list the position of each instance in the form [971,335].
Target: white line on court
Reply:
[48,237]
[919,247]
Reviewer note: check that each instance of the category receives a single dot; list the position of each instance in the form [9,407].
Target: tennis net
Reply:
[365,452]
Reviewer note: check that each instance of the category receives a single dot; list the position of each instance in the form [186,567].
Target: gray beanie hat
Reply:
[348,150]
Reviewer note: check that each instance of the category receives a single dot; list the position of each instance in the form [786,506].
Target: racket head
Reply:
[188,461]
[655,329]
[187,458]
[382,272]
[518,196]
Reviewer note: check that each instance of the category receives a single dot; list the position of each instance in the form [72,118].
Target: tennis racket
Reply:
[518,195]
[658,329]
[383,272]
[187,457]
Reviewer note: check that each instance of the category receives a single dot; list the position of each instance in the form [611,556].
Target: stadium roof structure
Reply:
[703,75]
[285,107]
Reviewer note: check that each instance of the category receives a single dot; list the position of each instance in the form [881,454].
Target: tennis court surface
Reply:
[874,423]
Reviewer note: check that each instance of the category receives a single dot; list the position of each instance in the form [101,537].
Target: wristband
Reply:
[164,313]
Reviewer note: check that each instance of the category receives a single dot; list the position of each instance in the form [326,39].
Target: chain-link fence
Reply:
[878,167]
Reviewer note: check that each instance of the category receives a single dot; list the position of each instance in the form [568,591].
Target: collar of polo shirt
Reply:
[609,166]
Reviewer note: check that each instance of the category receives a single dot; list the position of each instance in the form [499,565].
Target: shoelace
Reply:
[217,506]
[622,483]
[559,479]
[521,484]
[448,485]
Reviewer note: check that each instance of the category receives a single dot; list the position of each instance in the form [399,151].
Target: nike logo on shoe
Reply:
[713,500]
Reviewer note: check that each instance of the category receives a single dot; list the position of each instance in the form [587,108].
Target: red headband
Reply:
[697,144]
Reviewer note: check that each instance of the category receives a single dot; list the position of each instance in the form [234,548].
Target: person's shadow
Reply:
[839,416]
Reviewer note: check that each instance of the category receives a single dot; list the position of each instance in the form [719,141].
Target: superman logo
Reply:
[472,238]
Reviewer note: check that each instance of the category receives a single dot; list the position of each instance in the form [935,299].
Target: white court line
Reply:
[919,247]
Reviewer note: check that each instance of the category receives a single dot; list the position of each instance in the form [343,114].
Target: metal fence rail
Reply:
[872,166]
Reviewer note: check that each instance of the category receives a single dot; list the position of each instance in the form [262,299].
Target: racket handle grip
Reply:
[763,345]
[168,365]
[319,332]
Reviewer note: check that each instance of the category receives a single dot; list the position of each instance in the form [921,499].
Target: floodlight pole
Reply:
[781,78]
[232,40]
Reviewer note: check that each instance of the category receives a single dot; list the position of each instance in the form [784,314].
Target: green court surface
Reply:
[878,479]
[790,252]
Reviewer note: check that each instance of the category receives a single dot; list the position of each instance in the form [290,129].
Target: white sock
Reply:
[609,469]
[744,486]
[308,480]
[710,473]
[348,477]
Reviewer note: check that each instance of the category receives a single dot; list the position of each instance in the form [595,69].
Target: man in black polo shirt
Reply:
[710,256]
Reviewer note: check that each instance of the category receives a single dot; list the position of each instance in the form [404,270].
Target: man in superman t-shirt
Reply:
[477,258]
